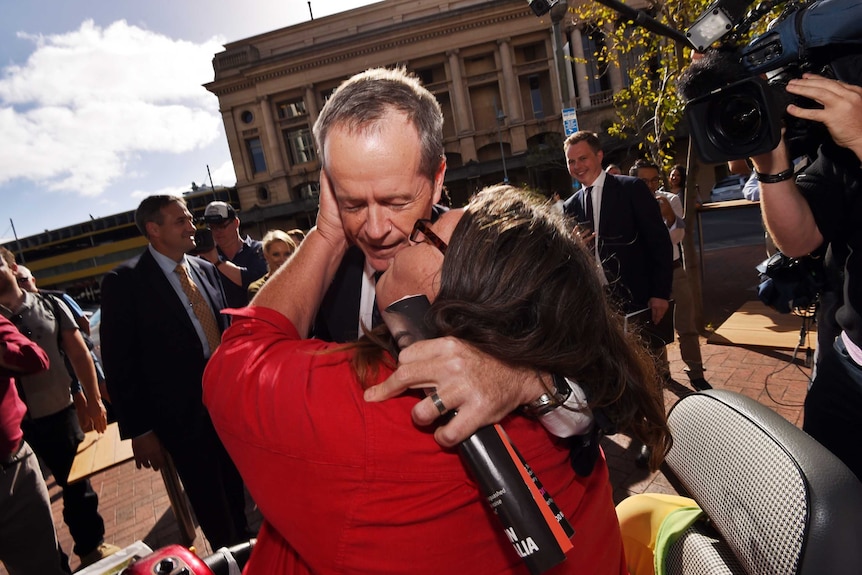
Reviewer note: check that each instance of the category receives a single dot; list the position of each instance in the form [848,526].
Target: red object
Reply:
[21,356]
[354,487]
[170,560]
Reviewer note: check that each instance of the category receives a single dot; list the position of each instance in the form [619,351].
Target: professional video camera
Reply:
[733,118]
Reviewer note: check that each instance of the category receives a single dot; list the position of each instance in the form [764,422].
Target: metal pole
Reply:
[501,117]
[558,12]
[20,248]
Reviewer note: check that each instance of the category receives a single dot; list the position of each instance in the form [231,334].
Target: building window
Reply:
[536,97]
[263,194]
[477,65]
[309,191]
[484,104]
[255,154]
[247,117]
[531,53]
[289,109]
[431,75]
[327,93]
[301,145]
[597,66]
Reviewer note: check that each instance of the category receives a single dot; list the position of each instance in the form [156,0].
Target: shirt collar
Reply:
[166,264]
[599,181]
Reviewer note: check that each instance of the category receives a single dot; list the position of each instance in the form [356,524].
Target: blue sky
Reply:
[101,102]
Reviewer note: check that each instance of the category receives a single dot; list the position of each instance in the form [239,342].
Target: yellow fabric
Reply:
[641,520]
[201,308]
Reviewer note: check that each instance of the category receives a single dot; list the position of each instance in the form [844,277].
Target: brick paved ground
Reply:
[135,505]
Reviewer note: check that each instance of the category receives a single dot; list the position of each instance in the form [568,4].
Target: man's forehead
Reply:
[582,149]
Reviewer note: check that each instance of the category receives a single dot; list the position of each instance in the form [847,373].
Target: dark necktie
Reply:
[201,308]
[588,207]
[376,318]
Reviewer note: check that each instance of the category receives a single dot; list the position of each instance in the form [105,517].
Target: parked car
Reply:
[729,188]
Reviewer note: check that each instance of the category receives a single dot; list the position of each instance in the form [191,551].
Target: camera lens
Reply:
[738,118]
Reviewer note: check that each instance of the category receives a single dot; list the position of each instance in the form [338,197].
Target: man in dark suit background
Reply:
[160,324]
[621,222]
[626,229]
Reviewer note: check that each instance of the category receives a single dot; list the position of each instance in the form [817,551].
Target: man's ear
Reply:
[438,181]
[152,229]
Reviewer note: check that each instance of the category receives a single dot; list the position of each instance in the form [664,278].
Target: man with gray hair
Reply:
[380,140]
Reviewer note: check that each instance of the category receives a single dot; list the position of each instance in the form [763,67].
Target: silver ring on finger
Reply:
[438,403]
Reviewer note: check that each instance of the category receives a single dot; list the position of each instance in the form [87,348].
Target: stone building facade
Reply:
[495,68]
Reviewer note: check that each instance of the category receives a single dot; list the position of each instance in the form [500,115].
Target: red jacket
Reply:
[22,356]
[347,486]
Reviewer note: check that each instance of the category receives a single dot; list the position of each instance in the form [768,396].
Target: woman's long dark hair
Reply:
[517,285]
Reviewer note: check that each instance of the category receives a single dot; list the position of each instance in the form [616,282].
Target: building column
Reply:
[513,106]
[235,143]
[272,148]
[459,98]
[577,43]
[311,104]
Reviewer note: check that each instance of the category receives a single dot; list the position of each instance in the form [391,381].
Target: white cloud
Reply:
[224,175]
[86,103]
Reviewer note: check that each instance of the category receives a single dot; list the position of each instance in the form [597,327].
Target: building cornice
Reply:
[349,47]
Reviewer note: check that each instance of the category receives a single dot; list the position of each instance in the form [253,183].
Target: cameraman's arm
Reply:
[786,213]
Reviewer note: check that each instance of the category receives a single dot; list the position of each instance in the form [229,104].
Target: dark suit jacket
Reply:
[634,244]
[153,359]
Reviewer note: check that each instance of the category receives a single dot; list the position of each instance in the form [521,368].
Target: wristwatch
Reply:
[548,402]
[565,412]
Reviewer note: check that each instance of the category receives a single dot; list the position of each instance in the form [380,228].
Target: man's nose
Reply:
[378,224]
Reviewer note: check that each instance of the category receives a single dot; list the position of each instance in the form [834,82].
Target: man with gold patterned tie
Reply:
[161,321]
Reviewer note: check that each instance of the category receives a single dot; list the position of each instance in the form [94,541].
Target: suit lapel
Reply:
[152,275]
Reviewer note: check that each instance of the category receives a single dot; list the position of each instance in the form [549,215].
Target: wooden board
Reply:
[100,452]
[755,324]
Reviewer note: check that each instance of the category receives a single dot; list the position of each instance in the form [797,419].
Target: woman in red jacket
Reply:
[347,486]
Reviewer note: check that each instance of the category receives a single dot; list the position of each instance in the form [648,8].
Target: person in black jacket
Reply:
[156,340]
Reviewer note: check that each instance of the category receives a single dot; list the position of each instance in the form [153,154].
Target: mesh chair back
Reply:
[778,500]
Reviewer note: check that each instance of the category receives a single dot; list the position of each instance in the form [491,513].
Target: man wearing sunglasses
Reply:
[239,261]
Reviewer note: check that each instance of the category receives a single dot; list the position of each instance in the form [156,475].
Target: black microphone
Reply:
[719,67]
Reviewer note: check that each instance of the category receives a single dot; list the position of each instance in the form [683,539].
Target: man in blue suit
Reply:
[621,221]
[161,321]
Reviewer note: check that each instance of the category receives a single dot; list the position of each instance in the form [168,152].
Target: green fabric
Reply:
[671,528]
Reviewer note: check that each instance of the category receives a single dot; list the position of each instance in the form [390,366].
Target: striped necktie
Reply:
[200,307]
